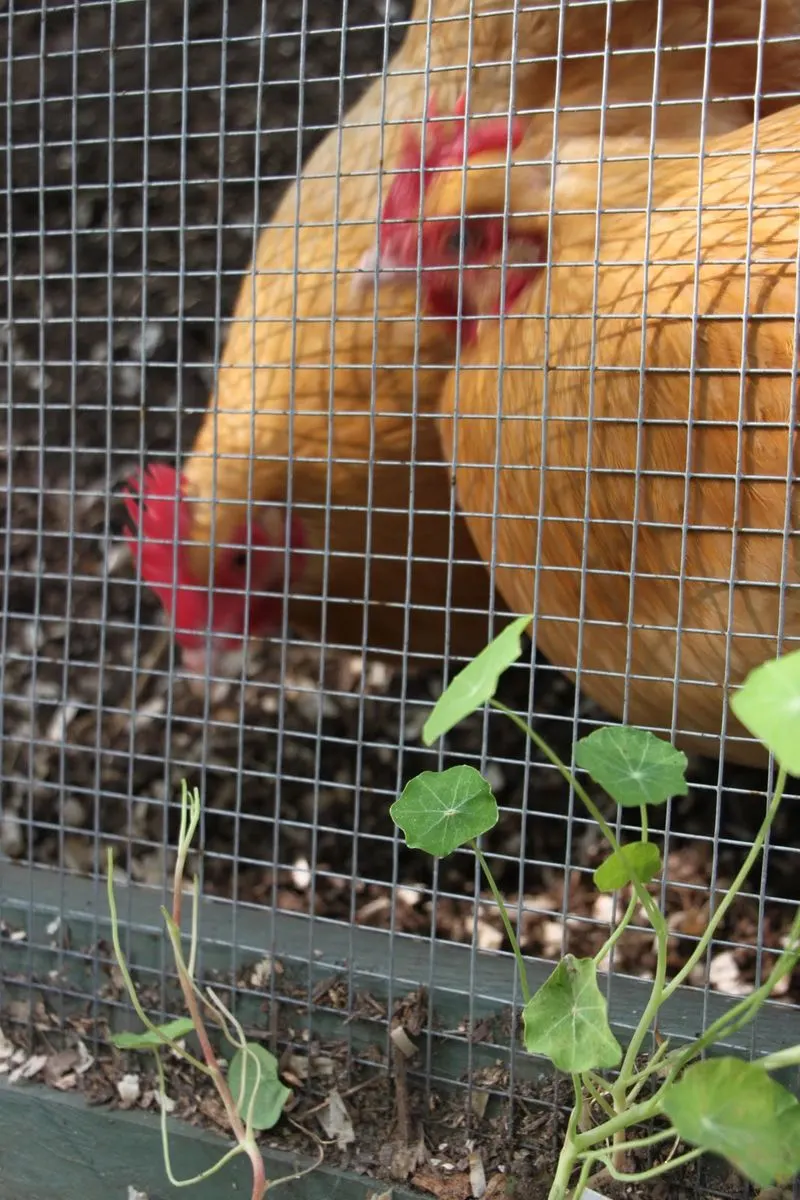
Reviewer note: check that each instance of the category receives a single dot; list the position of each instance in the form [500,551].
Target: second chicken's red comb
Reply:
[445,147]
[151,500]
[484,133]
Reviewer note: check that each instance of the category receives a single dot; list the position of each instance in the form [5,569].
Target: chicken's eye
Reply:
[463,238]
[239,560]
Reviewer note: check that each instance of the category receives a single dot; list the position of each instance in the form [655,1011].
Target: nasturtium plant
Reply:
[477,683]
[438,811]
[723,1106]
[768,705]
[634,766]
[636,861]
[567,1019]
[256,1087]
[171,1031]
[734,1108]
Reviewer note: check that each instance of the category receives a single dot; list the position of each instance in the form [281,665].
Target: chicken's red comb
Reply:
[444,147]
[404,192]
[155,506]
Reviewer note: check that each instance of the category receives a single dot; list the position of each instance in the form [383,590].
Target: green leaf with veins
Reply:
[438,811]
[768,705]
[636,860]
[735,1109]
[477,683]
[264,1091]
[148,1040]
[635,767]
[567,1020]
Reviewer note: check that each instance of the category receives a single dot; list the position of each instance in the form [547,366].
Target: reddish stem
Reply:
[260,1183]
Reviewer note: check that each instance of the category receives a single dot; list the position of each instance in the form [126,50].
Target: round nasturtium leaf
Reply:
[265,1092]
[735,1109]
[438,811]
[567,1020]
[634,766]
[637,860]
[768,705]
[477,683]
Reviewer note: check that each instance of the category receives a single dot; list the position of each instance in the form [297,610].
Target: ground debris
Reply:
[445,1187]
[405,1157]
[335,1121]
[129,1090]
[358,1115]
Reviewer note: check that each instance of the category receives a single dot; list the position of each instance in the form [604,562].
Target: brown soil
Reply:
[400,1132]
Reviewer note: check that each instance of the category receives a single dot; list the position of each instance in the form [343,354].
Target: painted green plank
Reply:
[367,956]
[52,1145]
[50,1140]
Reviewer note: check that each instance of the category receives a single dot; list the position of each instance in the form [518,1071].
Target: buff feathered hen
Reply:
[317,473]
[630,472]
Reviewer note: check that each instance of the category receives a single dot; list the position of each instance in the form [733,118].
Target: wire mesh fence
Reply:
[146,149]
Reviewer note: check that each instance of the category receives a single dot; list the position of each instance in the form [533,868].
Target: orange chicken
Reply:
[611,50]
[318,405]
[642,502]
[317,473]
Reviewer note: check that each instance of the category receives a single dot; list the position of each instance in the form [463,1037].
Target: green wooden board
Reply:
[464,983]
[52,1147]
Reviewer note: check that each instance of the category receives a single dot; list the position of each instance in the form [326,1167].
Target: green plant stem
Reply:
[635,1114]
[194,1001]
[567,1159]
[190,819]
[194,930]
[249,1059]
[790,1057]
[655,1000]
[190,999]
[624,921]
[627,916]
[583,1179]
[130,987]
[583,1104]
[179,1183]
[653,1061]
[645,1143]
[734,889]
[501,904]
[597,1089]
[230,1027]
[641,891]
[562,767]
[741,1014]
[655,917]
[208,1003]
[652,1172]
[654,1065]
[647,1018]
[222,1015]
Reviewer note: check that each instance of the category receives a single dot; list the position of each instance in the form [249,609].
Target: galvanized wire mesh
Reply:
[146,147]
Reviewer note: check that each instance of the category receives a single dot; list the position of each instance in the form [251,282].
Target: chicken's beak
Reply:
[371,269]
